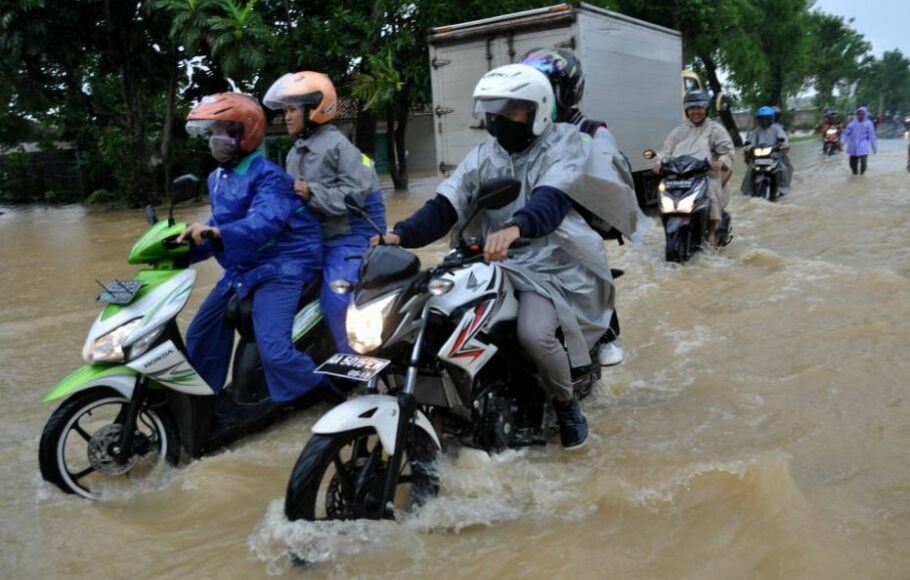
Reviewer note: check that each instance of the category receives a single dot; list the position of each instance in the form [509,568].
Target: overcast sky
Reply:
[882,22]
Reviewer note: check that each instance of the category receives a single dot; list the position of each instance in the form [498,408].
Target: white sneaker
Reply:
[610,354]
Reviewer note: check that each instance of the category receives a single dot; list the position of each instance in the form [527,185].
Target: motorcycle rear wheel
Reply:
[334,478]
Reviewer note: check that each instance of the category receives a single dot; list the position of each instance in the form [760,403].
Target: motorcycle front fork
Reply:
[140,392]
[407,407]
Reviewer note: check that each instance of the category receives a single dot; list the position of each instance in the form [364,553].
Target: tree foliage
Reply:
[837,55]
[115,77]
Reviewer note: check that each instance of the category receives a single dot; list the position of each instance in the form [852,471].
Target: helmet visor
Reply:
[279,96]
[207,127]
[509,108]
[545,62]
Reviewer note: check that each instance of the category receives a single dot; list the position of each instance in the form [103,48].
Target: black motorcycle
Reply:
[685,207]
[766,165]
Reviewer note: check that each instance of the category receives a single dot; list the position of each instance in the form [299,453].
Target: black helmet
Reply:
[564,72]
[696,98]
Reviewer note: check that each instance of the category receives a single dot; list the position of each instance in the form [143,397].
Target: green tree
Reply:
[780,28]
[716,35]
[885,86]
[240,40]
[837,55]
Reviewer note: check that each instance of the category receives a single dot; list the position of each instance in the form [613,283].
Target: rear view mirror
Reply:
[498,193]
[721,103]
[649,154]
[184,188]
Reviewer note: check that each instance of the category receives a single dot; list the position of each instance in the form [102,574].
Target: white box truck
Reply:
[632,71]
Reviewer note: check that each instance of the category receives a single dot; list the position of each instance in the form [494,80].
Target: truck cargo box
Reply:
[632,70]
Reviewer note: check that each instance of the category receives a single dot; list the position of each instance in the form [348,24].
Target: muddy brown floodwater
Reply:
[759,427]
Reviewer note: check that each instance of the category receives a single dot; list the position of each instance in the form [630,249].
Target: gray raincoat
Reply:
[606,189]
[568,266]
[768,137]
[706,141]
[334,168]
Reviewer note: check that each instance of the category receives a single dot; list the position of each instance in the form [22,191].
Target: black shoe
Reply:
[573,427]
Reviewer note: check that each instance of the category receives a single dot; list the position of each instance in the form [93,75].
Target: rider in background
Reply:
[703,138]
[832,120]
[329,172]
[568,81]
[265,239]
[767,134]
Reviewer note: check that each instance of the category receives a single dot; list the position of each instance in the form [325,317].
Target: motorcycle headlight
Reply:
[762,151]
[364,325]
[831,131]
[662,186]
[109,348]
[687,204]
[666,204]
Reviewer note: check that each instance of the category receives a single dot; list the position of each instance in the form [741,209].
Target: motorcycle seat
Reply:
[239,312]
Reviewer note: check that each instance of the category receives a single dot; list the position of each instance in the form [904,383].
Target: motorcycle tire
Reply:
[66,420]
[307,488]
[773,193]
[679,247]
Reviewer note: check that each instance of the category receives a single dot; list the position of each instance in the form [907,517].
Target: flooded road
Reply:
[759,427]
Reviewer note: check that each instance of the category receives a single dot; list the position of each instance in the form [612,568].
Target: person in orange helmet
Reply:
[266,240]
[330,174]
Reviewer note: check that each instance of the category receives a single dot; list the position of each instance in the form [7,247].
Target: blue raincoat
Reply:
[270,248]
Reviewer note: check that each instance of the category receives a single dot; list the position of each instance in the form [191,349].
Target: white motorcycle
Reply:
[452,370]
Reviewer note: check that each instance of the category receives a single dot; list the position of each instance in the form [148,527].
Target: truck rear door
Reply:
[456,68]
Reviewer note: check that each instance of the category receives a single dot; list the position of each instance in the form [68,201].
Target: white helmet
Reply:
[516,87]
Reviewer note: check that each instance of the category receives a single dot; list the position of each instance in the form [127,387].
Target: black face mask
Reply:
[512,136]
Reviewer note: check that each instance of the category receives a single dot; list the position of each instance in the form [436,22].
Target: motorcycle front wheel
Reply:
[678,246]
[78,446]
[341,476]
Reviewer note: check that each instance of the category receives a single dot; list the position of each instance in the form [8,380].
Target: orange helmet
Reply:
[239,115]
[306,88]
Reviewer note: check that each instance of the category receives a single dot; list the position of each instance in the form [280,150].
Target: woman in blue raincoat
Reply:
[266,240]
[860,138]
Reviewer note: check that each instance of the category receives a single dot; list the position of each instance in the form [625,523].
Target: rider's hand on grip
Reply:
[496,247]
[390,239]
[199,233]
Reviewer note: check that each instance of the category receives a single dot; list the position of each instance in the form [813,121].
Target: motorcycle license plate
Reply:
[119,292]
[678,183]
[352,366]
[764,161]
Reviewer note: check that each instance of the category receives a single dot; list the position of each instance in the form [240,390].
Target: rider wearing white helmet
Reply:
[561,276]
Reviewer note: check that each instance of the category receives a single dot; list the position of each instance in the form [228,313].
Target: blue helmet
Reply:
[765,111]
